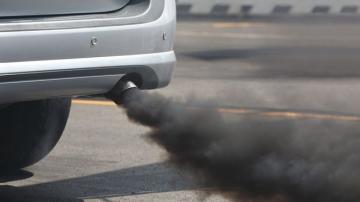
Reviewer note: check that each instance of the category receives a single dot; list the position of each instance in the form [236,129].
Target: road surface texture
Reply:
[307,72]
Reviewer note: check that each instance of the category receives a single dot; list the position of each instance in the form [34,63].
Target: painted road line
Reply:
[294,115]
[299,115]
[244,111]
[229,25]
[93,102]
[230,35]
[250,36]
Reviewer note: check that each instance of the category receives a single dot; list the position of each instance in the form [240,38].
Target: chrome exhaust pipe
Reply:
[125,85]
[117,94]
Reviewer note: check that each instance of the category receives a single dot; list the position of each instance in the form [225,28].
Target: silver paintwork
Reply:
[74,43]
[161,63]
[136,12]
[68,49]
[17,8]
[152,60]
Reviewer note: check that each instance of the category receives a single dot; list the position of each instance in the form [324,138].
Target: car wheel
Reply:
[30,130]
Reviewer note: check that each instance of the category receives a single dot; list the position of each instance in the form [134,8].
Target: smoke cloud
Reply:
[251,158]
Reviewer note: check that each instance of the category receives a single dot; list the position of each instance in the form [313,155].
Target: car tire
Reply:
[30,130]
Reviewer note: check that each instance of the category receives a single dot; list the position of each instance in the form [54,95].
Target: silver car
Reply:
[52,50]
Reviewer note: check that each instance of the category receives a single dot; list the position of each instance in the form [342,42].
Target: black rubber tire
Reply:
[30,130]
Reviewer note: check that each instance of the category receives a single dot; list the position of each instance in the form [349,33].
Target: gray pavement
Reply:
[299,66]
[304,67]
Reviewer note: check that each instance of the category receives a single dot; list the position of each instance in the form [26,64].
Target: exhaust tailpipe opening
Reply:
[117,94]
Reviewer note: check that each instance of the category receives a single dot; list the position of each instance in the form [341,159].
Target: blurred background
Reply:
[275,54]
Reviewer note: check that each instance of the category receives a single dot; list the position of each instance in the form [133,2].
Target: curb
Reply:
[221,8]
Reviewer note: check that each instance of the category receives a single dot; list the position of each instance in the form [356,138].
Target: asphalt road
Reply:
[306,72]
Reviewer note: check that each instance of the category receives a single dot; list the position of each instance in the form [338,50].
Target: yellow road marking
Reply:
[225,25]
[294,115]
[235,111]
[230,35]
[94,102]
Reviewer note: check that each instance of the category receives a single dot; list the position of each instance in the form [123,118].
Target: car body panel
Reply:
[40,64]
[92,76]
[135,12]
[76,43]
[57,7]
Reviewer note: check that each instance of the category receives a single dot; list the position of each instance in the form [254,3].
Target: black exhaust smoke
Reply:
[250,158]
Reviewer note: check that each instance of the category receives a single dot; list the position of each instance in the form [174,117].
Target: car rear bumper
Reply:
[40,64]
[84,76]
